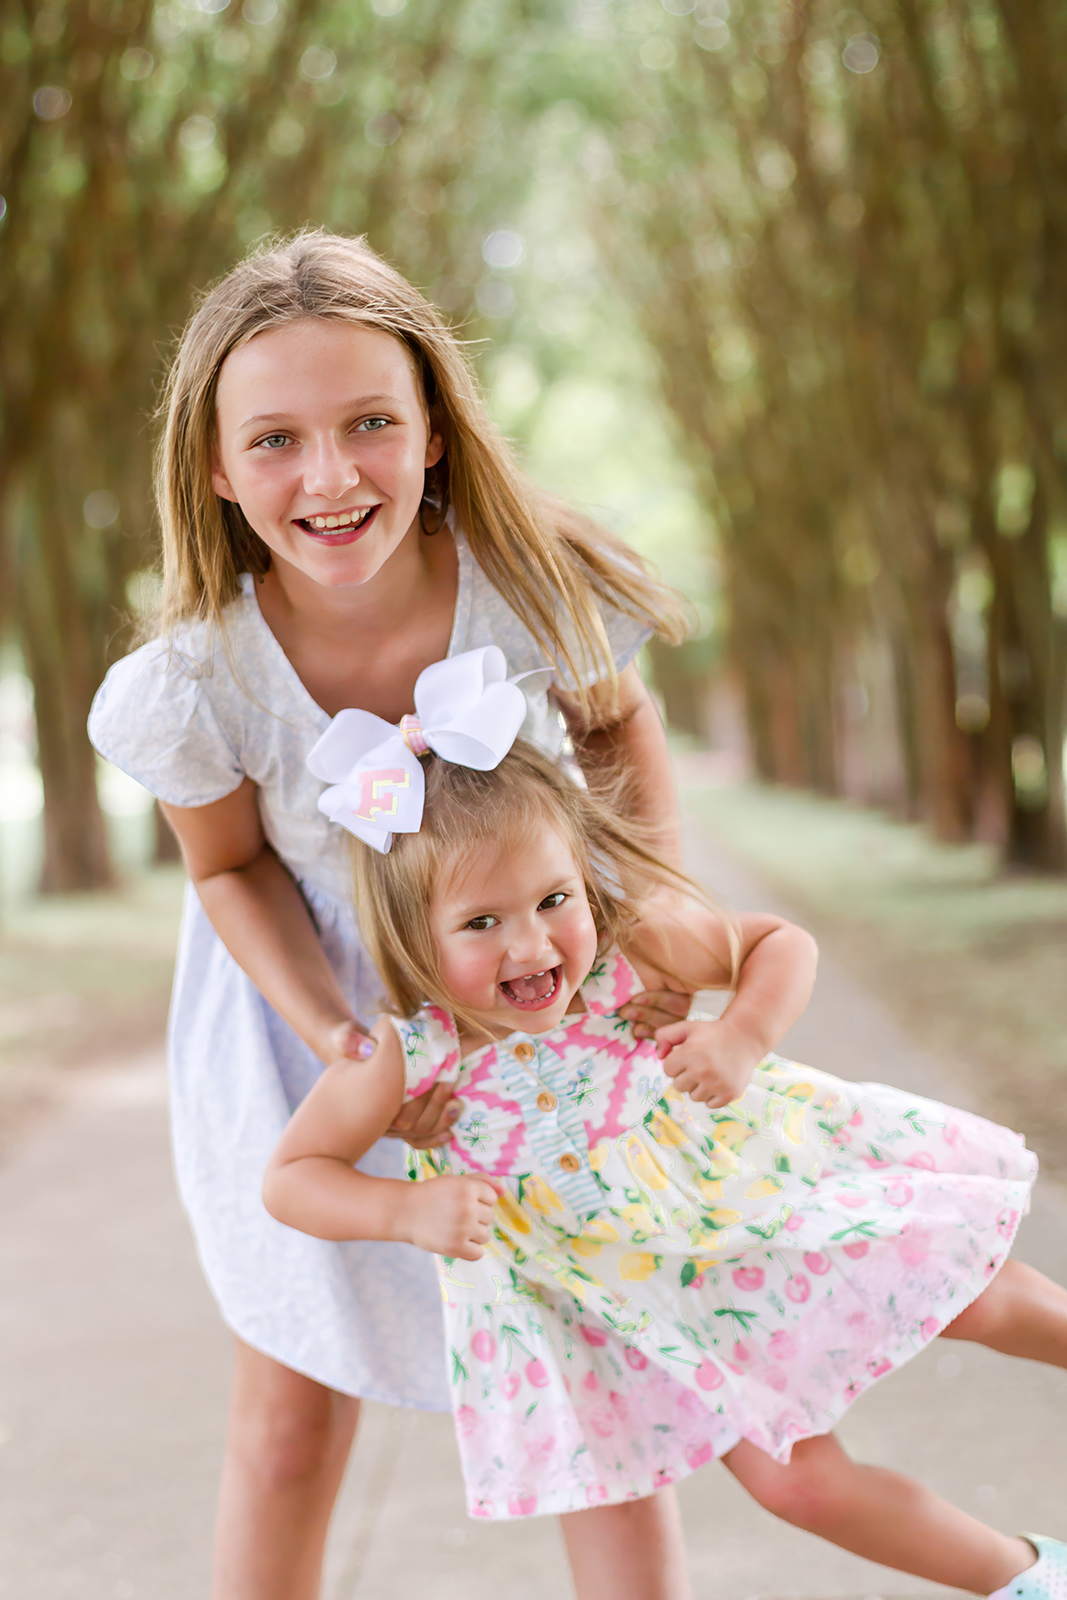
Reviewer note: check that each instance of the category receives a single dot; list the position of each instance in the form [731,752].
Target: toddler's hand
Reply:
[711,1062]
[452,1216]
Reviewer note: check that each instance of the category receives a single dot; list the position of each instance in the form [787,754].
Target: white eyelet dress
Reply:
[190,720]
[664,1280]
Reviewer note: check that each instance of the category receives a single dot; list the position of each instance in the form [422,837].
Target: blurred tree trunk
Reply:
[60,658]
[842,244]
[165,840]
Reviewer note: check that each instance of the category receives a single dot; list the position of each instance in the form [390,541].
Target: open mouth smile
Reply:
[533,992]
[342,527]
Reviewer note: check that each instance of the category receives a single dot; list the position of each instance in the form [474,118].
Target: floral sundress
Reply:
[664,1280]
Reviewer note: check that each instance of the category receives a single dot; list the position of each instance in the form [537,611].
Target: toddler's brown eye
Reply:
[551,901]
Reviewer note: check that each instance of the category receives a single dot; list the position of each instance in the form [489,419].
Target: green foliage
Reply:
[832,242]
[843,235]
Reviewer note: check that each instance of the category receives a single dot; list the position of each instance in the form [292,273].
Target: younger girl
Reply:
[646,1266]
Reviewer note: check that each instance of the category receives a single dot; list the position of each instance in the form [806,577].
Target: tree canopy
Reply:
[839,236]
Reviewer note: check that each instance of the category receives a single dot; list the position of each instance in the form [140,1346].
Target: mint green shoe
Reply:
[1045,1580]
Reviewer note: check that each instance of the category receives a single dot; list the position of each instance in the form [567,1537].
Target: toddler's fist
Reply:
[711,1062]
[453,1216]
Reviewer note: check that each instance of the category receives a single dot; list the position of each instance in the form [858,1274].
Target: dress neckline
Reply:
[458,634]
[611,982]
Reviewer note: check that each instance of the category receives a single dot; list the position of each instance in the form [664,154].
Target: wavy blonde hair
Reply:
[467,812]
[550,563]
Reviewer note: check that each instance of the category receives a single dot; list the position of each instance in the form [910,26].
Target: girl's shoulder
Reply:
[430,1044]
[170,714]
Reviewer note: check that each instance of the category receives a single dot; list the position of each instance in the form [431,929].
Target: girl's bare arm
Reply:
[311,1182]
[629,734]
[259,914]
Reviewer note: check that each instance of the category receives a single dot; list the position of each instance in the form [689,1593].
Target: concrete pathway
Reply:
[113,1376]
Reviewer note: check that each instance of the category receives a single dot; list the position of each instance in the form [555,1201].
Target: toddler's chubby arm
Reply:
[713,1061]
[311,1182]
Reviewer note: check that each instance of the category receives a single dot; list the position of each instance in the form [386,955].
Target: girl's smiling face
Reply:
[323,441]
[515,935]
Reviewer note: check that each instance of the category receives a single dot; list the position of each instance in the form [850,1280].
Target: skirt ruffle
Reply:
[596,1359]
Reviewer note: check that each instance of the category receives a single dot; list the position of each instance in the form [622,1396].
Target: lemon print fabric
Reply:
[664,1280]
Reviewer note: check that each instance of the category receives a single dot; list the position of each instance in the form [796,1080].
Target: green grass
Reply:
[84,980]
[973,960]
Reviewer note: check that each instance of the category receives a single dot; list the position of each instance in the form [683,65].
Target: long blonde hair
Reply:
[550,563]
[467,811]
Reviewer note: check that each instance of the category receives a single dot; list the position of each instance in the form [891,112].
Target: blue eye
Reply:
[374,424]
[274,441]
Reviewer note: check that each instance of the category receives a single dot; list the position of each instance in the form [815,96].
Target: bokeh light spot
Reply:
[197,133]
[712,34]
[100,509]
[286,138]
[495,298]
[317,63]
[382,129]
[136,64]
[503,249]
[51,103]
[862,53]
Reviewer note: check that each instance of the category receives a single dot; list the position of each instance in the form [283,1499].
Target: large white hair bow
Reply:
[467,710]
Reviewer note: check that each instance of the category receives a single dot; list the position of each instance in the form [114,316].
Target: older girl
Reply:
[337,512]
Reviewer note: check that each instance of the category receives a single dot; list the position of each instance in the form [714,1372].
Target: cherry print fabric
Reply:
[715,1275]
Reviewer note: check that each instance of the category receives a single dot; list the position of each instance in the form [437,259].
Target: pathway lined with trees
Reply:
[841,234]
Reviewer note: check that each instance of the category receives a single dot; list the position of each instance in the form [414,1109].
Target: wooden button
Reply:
[524,1052]
[546,1101]
[569,1163]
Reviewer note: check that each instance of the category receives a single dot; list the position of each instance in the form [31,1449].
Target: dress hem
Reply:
[302,1369]
[896,1355]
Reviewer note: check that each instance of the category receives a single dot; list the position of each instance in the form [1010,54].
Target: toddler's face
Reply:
[323,441]
[515,935]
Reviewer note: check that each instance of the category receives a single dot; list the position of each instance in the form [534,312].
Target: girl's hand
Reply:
[711,1062]
[426,1122]
[348,1041]
[655,1008]
[452,1216]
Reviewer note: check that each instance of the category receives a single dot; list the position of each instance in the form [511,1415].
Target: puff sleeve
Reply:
[153,718]
[431,1049]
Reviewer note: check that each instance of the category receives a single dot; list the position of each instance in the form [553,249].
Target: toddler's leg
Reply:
[880,1515]
[1021,1313]
[287,1443]
[632,1551]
